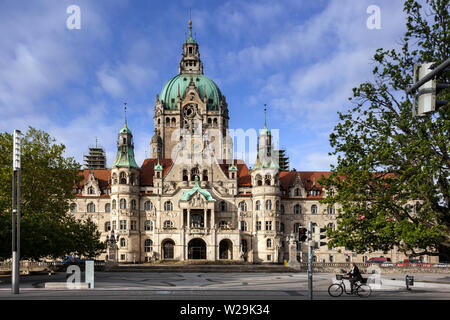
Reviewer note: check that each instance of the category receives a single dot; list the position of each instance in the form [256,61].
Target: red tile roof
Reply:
[244,178]
[103,177]
[148,170]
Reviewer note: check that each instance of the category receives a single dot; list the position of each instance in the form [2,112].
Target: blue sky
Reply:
[302,58]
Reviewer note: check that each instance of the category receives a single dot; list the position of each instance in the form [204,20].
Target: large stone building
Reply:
[191,199]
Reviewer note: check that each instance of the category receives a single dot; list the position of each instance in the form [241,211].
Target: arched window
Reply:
[223,206]
[168,224]
[267,179]
[258,205]
[114,204]
[269,243]
[133,204]
[297,209]
[168,206]
[174,122]
[123,178]
[185,175]
[123,204]
[114,178]
[90,190]
[297,192]
[132,179]
[205,175]
[148,225]
[148,245]
[91,207]
[73,207]
[108,207]
[268,205]
[281,227]
[194,173]
[123,242]
[330,210]
[313,209]
[277,205]
[243,226]
[282,208]
[243,206]
[148,205]
[107,226]
[258,180]
[168,122]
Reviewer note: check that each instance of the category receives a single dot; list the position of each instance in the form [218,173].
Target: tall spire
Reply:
[190,61]
[125,111]
[265,121]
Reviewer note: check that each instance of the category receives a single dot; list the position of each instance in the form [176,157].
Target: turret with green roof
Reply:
[125,148]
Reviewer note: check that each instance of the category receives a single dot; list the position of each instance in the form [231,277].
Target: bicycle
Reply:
[361,288]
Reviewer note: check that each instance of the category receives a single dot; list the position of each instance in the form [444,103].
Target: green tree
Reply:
[392,174]
[47,182]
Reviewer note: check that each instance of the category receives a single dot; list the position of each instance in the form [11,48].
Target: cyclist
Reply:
[353,275]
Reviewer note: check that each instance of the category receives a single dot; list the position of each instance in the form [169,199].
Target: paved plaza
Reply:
[220,286]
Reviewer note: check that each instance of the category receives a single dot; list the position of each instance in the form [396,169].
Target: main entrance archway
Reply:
[168,249]
[226,249]
[197,249]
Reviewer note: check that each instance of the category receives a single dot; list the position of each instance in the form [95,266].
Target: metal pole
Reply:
[310,258]
[437,71]
[18,231]
[15,266]
[14,276]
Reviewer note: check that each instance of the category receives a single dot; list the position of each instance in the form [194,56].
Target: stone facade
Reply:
[191,199]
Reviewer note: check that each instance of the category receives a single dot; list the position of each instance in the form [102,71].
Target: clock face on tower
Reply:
[189,111]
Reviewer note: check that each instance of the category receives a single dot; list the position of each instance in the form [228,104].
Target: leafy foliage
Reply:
[392,174]
[47,180]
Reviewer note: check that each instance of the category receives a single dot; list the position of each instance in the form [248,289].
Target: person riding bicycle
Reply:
[353,275]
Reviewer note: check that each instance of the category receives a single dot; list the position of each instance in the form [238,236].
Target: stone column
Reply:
[189,218]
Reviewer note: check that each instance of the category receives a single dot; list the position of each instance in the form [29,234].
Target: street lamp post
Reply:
[15,267]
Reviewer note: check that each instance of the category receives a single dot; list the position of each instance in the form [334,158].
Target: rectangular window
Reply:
[258,225]
[114,225]
[133,225]
[123,224]
[277,225]
[269,257]
[122,257]
[268,225]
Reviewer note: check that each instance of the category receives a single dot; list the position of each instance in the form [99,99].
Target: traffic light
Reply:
[320,235]
[302,234]
[425,75]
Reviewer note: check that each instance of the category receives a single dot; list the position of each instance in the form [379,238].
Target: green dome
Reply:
[169,93]
[125,130]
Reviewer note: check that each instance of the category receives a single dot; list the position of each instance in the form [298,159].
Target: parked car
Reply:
[409,263]
[379,260]
[441,265]
[387,264]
